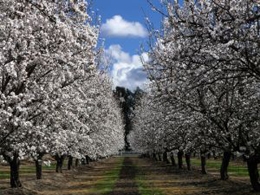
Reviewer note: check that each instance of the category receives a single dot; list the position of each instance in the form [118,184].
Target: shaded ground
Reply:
[172,181]
[126,184]
[130,176]
[82,180]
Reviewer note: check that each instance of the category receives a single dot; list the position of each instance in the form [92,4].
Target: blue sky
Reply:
[123,27]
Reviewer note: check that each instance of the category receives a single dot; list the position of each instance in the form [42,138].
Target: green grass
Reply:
[28,169]
[143,187]
[52,167]
[234,169]
[107,183]
[4,175]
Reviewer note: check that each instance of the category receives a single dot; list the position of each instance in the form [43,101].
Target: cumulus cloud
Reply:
[118,27]
[127,70]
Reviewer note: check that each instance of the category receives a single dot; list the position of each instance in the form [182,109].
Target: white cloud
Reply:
[127,70]
[118,27]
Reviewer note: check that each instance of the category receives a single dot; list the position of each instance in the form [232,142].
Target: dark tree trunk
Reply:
[38,165]
[224,166]
[70,162]
[159,157]
[187,158]
[252,163]
[203,164]
[180,162]
[173,160]
[165,157]
[59,161]
[83,161]
[14,170]
[214,154]
[87,159]
[76,162]
[154,156]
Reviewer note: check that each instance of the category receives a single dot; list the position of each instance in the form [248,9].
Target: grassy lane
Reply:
[157,178]
[145,186]
[235,169]
[95,179]
[108,182]
[126,184]
[129,176]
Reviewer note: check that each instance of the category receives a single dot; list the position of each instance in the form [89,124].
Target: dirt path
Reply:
[126,184]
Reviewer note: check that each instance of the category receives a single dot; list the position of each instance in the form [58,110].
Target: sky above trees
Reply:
[123,27]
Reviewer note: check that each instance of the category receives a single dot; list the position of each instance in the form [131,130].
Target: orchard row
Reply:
[54,99]
[204,95]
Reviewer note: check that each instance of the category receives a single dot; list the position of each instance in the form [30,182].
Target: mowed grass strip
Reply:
[145,188]
[213,166]
[107,182]
[145,185]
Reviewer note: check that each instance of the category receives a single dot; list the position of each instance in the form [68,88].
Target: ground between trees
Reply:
[137,176]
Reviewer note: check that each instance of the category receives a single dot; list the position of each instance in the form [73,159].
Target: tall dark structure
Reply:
[127,100]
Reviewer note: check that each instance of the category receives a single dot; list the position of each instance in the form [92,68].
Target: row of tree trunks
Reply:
[173,162]
[180,155]
[14,163]
[252,164]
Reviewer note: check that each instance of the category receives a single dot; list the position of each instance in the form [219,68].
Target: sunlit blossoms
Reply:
[204,70]
[51,91]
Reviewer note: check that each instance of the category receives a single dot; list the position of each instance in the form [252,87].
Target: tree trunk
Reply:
[83,161]
[214,154]
[165,158]
[59,160]
[180,155]
[159,157]
[173,160]
[87,159]
[14,170]
[187,158]
[70,162]
[253,172]
[38,166]
[224,166]
[203,164]
[76,162]
[154,156]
